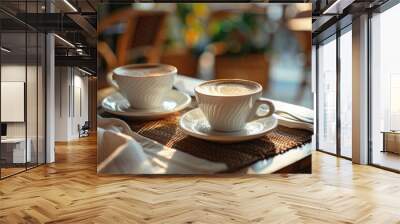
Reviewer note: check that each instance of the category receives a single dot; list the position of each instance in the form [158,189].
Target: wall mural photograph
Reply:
[198,88]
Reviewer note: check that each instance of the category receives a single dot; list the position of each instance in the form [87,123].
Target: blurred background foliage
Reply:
[238,33]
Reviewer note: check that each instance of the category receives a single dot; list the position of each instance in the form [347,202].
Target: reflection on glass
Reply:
[41,99]
[15,151]
[385,85]
[346,94]
[31,98]
[22,91]
[327,97]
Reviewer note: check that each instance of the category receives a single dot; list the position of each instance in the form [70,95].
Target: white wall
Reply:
[80,100]
[61,104]
[12,73]
[71,94]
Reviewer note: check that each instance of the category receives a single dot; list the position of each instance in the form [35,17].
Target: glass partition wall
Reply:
[334,94]
[22,77]
[14,153]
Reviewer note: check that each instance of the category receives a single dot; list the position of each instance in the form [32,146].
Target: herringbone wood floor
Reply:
[69,191]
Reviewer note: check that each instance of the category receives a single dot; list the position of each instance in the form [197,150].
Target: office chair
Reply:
[84,130]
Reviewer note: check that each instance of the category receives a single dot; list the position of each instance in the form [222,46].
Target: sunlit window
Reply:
[327,96]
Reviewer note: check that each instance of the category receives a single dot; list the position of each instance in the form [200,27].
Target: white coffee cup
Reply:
[144,85]
[228,104]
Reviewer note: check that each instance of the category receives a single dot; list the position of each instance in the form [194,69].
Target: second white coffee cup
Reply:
[144,85]
[228,104]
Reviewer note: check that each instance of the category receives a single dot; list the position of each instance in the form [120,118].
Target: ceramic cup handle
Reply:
[253,114]
[111,81]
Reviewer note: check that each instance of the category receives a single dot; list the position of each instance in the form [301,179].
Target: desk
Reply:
[13,150]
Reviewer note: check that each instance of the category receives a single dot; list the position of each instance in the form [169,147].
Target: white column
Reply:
[50,92]
[360,90]
[50,99]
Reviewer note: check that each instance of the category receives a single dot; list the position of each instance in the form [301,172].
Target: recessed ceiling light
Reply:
[70,5]
[84,71]
[337,7]
[5,50]
[65,41]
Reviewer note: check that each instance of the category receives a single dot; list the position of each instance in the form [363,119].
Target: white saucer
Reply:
[195,124]
[174,101]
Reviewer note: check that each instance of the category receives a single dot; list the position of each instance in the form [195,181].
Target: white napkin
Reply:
[123,151]
[120,154]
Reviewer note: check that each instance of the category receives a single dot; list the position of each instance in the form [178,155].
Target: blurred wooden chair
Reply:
[140,36]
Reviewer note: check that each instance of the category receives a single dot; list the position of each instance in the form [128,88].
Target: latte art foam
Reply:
[143,70]
[227,89]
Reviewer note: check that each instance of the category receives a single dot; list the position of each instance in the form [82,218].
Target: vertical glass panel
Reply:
[2,158]
[41,99]
[13,86]
[41,90]
[327,96]
[385,87]
[32,88]
[22,89]
[346,94]
[2,161]
[32,98]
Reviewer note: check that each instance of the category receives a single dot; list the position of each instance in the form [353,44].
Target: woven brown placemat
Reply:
[235,156]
